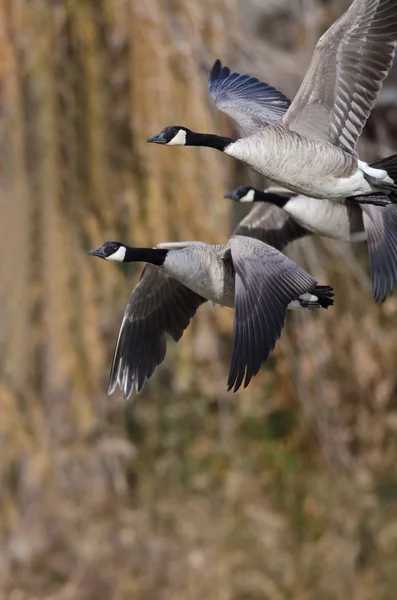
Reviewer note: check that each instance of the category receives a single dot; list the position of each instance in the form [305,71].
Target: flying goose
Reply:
[346,221]
[311,150]
[256,279]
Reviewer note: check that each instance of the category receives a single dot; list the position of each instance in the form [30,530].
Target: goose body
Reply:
[205,269]
[344,220]
[255,279]
[208,270]
[309,146]
[338,220]
[318,167]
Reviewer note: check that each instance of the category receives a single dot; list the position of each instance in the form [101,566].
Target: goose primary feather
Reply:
[311,151]
[256,279]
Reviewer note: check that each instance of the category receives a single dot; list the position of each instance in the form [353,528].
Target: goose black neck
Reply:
[279,201]
[156,256]
[208,139]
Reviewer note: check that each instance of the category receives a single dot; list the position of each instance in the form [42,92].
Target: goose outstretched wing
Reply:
[250,102]
[381,228]
[347,70]
[158,305]
[266,282]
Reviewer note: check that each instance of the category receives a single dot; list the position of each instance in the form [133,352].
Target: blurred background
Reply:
[285,490]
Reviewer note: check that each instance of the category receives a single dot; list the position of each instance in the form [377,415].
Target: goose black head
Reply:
[243,193]
[110,251]
[174,135]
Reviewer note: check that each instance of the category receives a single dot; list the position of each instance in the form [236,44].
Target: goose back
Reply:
[205,269]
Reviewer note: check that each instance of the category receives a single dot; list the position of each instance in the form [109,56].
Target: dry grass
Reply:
[286,490]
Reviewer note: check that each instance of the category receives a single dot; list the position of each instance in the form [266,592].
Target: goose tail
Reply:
[387,189]
[321,297]
[325,296]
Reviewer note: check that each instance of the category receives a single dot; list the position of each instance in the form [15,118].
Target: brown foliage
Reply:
[286,490]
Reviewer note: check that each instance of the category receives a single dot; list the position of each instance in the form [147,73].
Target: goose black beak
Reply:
[157,139]
[231,196]
[98,252]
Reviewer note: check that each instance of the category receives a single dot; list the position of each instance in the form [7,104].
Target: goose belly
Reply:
[213,290]
[327,218]
[355,184]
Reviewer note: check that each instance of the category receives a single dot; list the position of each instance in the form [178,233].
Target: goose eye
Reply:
[114,246]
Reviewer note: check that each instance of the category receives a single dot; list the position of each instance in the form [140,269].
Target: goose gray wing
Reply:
[250,102]
[347,70]
[270,224]
[266,281]
[381,228]
[157,305]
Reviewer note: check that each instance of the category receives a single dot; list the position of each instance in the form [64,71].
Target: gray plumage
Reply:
[266,282]
[158,305]
[380,225]
[256,279]
[347,70]
[305,166]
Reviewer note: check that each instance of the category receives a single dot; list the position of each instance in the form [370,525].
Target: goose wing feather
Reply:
[381,227]
[346,73]
[250,102]
[266,282]
[157,305]
[270,224]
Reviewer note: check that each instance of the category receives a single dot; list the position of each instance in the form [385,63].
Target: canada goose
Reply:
[346,221]
[256,279]
[311,151]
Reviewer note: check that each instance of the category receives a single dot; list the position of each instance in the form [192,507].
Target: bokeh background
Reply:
[285,490]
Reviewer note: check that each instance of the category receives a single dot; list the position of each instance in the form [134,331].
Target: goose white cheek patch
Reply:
[118,256]
[179,139]
[249,197]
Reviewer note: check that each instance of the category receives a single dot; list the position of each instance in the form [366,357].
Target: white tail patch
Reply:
[380,174]
[307,298]
[295,305]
